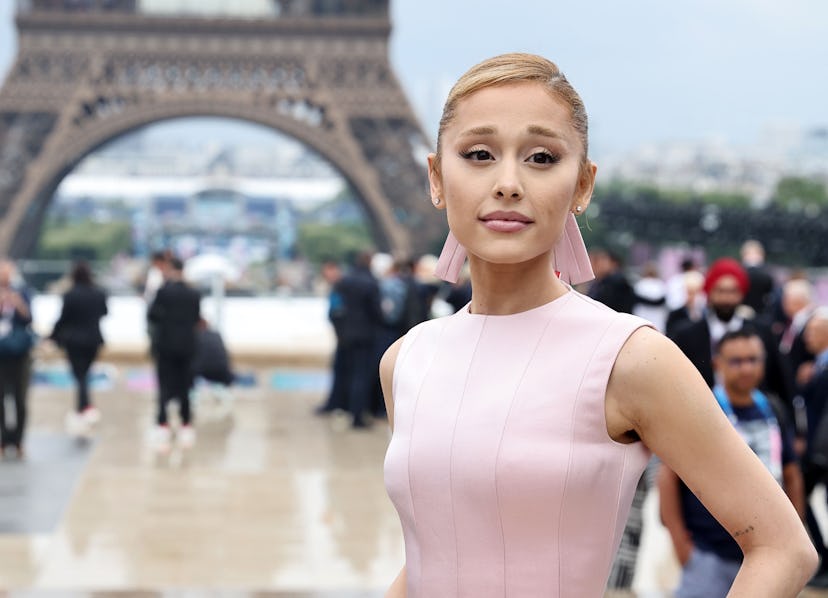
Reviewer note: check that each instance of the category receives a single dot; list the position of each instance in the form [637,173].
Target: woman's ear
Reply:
[586,184]
[435,181]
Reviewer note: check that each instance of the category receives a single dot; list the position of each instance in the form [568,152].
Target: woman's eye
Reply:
[544,158]
[477,154]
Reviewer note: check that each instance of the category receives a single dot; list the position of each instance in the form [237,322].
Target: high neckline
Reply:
[555,303]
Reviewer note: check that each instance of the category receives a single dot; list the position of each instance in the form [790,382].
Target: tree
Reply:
[798,193]
[83,239]
[319,241]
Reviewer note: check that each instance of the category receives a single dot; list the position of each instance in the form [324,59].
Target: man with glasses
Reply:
[709,555]
[725,286]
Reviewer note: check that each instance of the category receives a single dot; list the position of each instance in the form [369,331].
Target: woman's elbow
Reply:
[807,559]
[792,554]
[802,559]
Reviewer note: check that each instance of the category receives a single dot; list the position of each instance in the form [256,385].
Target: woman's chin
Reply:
[511,258]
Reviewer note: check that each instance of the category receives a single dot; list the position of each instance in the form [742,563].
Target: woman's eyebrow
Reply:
[479,131]
[543,131]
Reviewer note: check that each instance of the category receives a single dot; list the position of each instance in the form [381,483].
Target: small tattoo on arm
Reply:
[747,530]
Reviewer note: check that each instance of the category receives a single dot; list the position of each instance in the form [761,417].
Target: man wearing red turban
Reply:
[726,285]
[726,267]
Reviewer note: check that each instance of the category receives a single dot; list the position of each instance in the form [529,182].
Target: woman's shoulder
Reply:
[648,359]
[389,359]
[405,342]
[588,311]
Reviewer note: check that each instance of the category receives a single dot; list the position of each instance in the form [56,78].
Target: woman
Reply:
[522,423]
[16,342]
[78,332]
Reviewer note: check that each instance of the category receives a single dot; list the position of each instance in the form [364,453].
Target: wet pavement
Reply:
[272,501]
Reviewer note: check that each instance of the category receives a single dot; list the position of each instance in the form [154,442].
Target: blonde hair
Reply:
[515,68]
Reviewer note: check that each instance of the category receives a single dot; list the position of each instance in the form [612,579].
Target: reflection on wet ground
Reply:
[271,502]
[271,497]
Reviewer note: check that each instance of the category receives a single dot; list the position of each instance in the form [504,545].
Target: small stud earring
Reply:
[436,201]
[578,209]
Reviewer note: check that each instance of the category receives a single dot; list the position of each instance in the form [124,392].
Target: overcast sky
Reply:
[648,70]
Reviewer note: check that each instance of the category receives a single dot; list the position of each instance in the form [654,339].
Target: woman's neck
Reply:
[502,289]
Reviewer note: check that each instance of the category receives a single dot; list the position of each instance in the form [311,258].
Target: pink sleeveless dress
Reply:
[500,466]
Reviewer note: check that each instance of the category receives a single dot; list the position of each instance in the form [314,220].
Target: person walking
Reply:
[174,316]
[78,332]
[522,423]
[16,341]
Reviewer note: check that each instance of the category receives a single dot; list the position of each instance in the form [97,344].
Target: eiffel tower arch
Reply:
[88,71]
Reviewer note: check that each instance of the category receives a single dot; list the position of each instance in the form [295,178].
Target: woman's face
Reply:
[509,172]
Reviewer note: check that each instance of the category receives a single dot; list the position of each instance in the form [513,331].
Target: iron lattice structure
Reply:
[88,71]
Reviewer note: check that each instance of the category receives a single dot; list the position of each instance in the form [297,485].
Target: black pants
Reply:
[338,397]
[175,379]
[360,367]
[81,360]
[813,476]
[14,381]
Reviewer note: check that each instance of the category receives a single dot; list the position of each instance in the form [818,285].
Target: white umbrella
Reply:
[207,266]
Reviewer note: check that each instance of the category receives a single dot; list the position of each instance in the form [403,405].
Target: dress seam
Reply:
[500,446]
[405,349]
[451,457]
[575,404]
[618,504]
[410,439]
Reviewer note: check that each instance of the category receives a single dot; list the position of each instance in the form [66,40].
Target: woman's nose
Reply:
[508,182]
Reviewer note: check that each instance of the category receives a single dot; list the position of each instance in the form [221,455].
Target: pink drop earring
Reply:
[570,255]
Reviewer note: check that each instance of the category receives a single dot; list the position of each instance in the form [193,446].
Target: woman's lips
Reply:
[506,222]
[505,226]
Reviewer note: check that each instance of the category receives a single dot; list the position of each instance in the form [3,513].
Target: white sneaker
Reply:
[76,425]
[91,415]
[186,437]
[161,439]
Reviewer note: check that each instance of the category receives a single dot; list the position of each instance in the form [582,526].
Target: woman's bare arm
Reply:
[397,588]
[656,391]
[387,363]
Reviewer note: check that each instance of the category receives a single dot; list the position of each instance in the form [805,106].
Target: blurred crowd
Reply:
[183,349]
[760,343]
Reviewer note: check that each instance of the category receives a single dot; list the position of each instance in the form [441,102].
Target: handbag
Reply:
[19,341]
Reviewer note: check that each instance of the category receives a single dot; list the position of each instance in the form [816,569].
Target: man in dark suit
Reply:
[610,286]
[726,284]
[762,285]
[358,335]
[815,460]
[174,315]
[797,307]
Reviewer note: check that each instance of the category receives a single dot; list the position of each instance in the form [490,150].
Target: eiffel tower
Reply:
[88,71]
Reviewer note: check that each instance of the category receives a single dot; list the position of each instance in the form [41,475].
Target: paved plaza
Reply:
[272,501]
